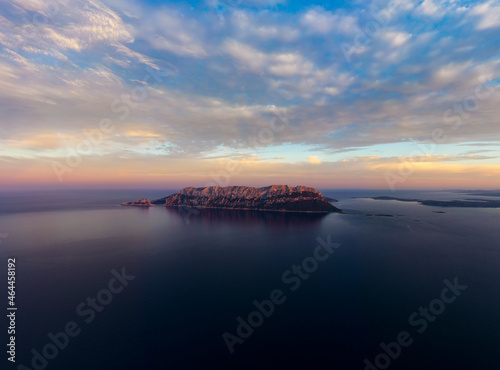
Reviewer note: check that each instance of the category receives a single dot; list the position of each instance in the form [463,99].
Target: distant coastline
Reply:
[466,203]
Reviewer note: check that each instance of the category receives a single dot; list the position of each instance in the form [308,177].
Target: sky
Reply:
[330,94]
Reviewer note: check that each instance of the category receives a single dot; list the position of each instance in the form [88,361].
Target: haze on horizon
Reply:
[158,94]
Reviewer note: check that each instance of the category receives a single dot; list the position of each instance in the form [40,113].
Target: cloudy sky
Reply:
[331,94]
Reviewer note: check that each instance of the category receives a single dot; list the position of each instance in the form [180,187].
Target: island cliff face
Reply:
[269,198]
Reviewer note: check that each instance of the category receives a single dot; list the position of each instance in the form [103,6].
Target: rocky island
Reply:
[269,198]
[140,203]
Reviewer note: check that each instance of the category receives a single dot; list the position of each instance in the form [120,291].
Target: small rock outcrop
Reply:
[269,198]
[140,203]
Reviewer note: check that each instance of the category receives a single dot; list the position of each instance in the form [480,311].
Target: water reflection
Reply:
[234,217]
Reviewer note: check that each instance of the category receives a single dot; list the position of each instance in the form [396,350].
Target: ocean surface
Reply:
[193,275]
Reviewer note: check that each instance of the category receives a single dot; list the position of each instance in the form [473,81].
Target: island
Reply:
[270,198]
[140,203]
[488,193]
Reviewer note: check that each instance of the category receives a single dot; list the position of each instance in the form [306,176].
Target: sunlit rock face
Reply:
[275,197]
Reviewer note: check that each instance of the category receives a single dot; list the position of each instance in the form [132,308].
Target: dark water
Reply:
[195,274]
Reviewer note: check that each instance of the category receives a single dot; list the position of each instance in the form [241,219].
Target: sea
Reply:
[384,285]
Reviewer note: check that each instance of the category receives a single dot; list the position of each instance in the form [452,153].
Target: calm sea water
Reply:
[195,274]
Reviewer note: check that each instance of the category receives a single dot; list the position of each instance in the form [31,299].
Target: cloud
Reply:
[396,39]
[488,14]
[428,8]
[86,24]
[170,30]
[314,159]
[290,73]
[450,73]
[281,65]
[249,26]
[241,3]
[320,21]
[122,49]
